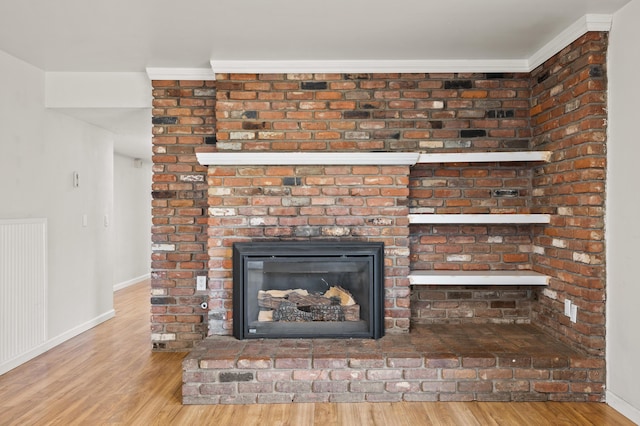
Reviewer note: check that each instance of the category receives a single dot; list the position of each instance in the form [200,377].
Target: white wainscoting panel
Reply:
[23,286]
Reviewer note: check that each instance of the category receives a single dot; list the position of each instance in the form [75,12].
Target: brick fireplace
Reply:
[307,203]
[200,211]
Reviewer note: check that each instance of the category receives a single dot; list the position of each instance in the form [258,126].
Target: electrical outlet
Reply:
[574,313]
[567,307]
[201,283]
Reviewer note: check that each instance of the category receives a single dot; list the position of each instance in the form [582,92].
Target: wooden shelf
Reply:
[479,218]
[478,278]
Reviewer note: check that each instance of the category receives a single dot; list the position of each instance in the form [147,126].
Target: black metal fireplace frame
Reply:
[245,251]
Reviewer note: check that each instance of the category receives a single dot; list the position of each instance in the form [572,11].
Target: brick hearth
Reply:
[432,363]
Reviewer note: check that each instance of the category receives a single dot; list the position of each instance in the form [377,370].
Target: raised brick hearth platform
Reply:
[432,363]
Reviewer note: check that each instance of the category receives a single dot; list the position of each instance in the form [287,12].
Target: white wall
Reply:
[40,151]
[117,101]
[97,90]
[623,217]
[132,220]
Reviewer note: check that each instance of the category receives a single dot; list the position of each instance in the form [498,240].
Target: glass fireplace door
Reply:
[307,295]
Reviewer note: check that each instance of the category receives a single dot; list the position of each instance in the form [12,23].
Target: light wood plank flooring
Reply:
[109,376]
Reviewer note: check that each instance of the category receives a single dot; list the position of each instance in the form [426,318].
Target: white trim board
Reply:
[623,407]
[131,282]
[369,66]
[589,22]
[180,74]
[52,343]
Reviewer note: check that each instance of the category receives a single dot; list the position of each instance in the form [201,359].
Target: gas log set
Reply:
[298,305]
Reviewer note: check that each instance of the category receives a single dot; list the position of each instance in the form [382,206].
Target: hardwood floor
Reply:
[109,376]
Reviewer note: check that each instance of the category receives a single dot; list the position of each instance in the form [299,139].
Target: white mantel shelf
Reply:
[477,278]
[259,158]
[255,158]
[478,218]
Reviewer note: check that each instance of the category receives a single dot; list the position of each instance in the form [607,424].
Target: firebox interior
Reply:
[294,289]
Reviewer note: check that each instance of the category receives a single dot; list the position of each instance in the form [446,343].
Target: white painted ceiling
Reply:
[132,35]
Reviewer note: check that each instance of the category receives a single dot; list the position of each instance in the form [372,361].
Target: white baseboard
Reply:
[623,407]
[131,282]
[51,343]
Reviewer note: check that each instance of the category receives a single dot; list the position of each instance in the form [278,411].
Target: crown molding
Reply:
[368,66]
[589,22]
[180,74]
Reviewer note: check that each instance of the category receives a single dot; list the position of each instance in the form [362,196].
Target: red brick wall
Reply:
[368,112]
[569,118]
[183,120]
[392,112]
[558,107]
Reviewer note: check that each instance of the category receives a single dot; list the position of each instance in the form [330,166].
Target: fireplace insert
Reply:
[302,289]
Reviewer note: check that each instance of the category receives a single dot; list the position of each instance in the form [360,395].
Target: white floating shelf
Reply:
[256,158]
[485,157]
[478,218]
[477,278]
[249,158]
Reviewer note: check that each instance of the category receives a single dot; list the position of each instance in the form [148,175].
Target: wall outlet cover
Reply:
[574,313]
[201,283]
[567,307]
